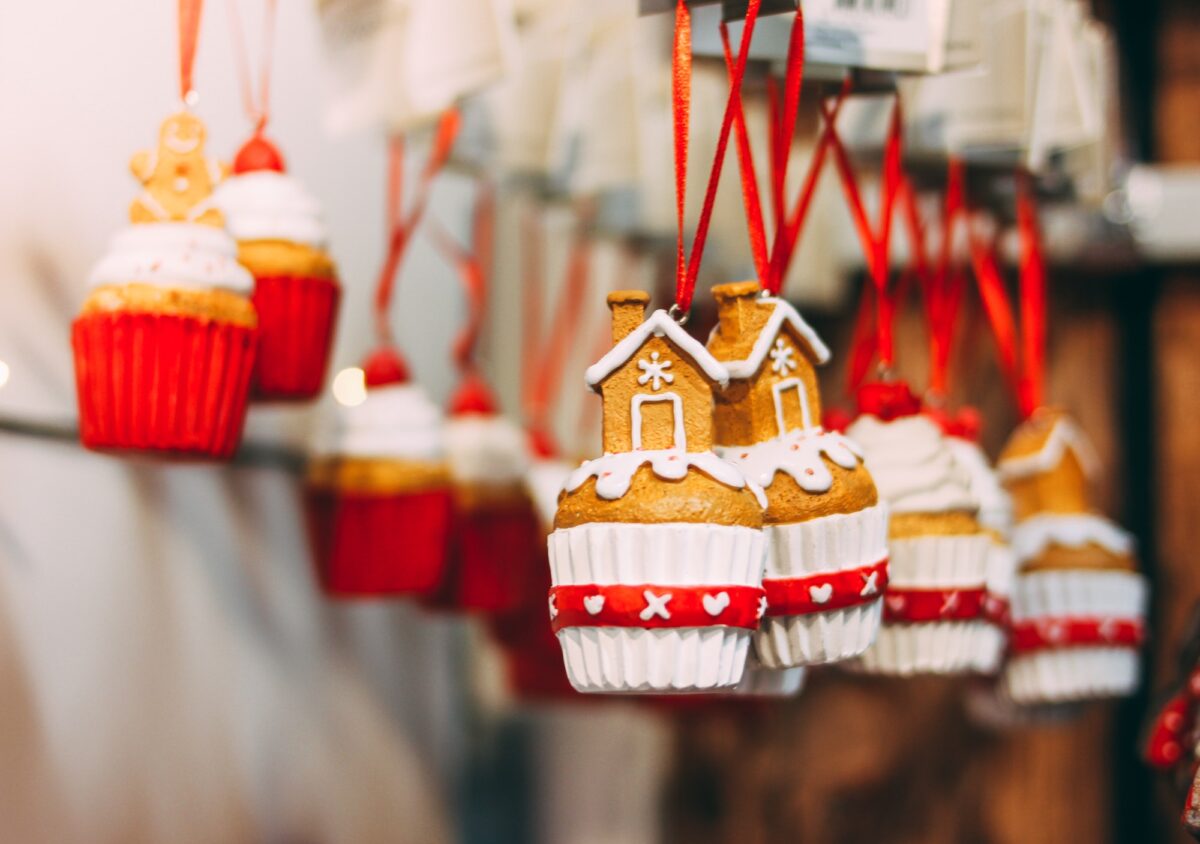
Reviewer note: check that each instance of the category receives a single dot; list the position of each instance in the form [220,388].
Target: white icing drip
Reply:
[658,324]
[911,465]
[1032,536]
[614,472]
[190,255]
[265,205]
[995,504]
[396,421]
[486,449]
[799,454]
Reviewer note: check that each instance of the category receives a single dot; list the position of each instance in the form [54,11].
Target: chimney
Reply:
[628,311]
[738,308]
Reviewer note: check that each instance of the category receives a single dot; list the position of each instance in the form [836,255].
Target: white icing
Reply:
[174,254]
[762,345]
[1063,436]
[913,468]
[486,449]
[995,504]
[1073,530]
[614,472]
[658,324]
[798,453]
[266,205]
[396,421]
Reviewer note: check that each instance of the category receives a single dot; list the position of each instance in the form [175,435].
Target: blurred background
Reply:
[171,672]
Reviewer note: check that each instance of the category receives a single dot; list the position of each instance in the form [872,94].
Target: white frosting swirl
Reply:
[486,449]
[266,205]
[995,504]
[190,255]
[913,468]
[396,421]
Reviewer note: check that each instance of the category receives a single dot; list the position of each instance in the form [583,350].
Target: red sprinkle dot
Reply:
[795,447]
[605,474]
[808,471]
[745,454]
[672,457]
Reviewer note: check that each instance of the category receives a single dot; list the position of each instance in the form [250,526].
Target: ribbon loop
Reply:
[189,31]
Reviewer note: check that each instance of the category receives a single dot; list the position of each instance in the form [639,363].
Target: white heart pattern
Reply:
[714,605]
[593,604]
[1053,632]
[821,594]
[895,602]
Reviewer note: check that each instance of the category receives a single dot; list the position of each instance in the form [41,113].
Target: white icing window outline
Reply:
[777,390]
[636,414]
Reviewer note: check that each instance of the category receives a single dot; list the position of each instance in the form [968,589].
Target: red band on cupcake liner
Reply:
[825,592]
[654,606]
[1064,632]
[997,610]
[916,606]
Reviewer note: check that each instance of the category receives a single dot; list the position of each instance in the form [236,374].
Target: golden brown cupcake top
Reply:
[135,297]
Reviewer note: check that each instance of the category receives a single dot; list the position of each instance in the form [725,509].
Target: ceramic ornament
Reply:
[939,552]
[1170,739]
[761,682]
[996,519]
[283,241]
[825,527]
[496,531]
[657,554]
[1079,602]
[378,490]
[165,342]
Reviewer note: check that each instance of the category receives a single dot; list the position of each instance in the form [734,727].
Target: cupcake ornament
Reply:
[825,526]
[656,558]
[165,343]
[1079,602]
[378,490]
[939,552]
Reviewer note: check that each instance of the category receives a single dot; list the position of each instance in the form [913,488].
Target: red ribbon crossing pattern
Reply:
[655,606]
[1048,633]
[919,606]
[825,592]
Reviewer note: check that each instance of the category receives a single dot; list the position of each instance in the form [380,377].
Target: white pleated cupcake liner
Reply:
[1070,673]
[826,545]
[618,660]
[1066,674]
[662,660]
[819,638]
[762,682]
[1001,568]
[988,645]
[934,647]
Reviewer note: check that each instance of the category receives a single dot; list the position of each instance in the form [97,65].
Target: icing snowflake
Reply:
[783,358]
[655,371]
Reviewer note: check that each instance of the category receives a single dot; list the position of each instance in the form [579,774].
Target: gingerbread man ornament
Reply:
[178,179]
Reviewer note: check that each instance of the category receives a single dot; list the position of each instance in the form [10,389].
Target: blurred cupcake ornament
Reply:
[378,489]
[825,527]
[165,343]
[283,241]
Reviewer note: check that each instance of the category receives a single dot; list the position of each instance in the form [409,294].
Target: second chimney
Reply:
[738,310]
[628,311]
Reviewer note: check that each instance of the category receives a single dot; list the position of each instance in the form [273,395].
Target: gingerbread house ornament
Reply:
[656,556]
[1078,606]
[825,527]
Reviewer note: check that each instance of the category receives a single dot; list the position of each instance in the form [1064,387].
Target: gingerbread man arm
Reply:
[142,165]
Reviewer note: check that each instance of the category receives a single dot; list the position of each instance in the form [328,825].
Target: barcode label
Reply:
[896,8]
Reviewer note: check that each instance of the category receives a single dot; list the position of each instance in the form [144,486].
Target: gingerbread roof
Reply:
[658,324]
[748,324]
[1040,444]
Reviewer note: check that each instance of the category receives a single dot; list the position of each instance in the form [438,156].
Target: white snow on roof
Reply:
[783,312]
[1064,435]
[1070,530]
[659,324]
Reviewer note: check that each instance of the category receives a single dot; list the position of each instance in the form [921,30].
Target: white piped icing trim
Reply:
[265,205]
[783,313]
[798,453]
[614,472]
[1032,536]
[658,324]
[1063,436]
[174,254]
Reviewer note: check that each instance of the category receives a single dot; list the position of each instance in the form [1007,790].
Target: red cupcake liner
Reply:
[371,546]
[493,556]
[162,382]
[296,318]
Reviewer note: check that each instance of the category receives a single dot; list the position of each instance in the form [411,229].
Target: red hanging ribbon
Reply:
[256,111]
[1022,354]
[473,265]
[401,226]
[189,31]
[687,267]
